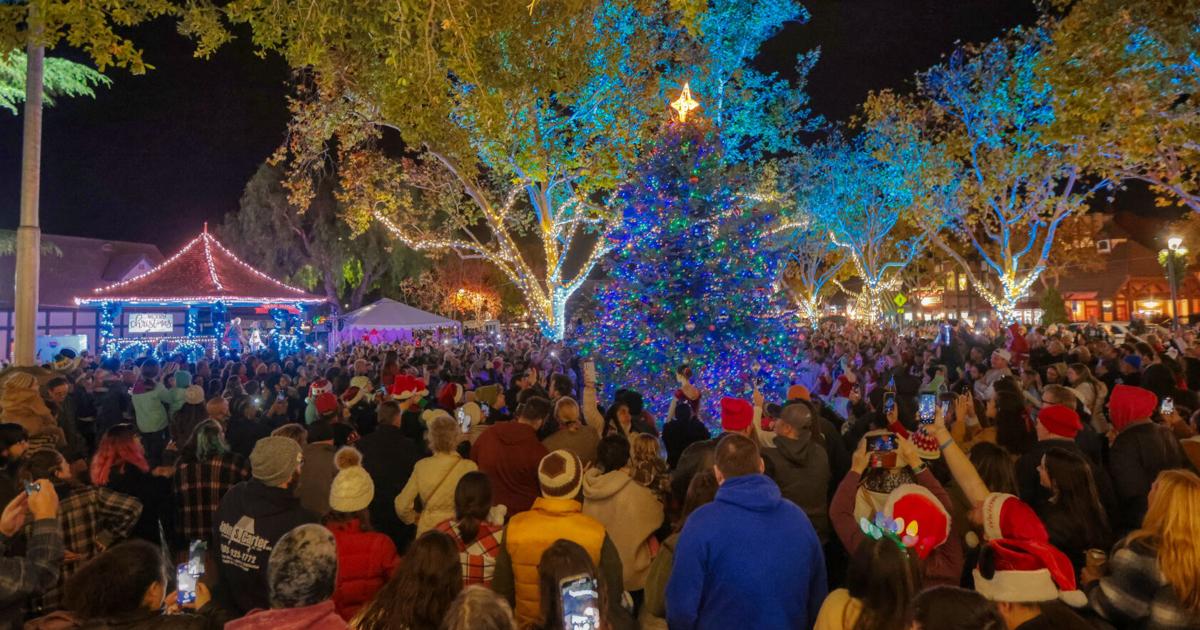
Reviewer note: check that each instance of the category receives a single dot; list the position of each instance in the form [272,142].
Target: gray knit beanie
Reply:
[302,570]
[274,459]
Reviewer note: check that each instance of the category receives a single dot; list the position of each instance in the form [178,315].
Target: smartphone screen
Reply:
[589,371]
[889,402]
[464,421]
[926,407]
[580,603]
[881,443]
[1168,406]
[185,584]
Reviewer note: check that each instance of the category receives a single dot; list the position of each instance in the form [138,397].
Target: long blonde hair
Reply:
[1172,525]
[645,461]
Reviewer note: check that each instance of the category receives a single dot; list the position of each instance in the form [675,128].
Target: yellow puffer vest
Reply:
[530,533]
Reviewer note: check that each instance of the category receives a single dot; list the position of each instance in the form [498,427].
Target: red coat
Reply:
[365,562]
[509,453]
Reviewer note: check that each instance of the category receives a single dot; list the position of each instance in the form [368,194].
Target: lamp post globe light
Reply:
[1174,249]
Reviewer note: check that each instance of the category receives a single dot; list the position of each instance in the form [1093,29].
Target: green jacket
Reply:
[654,606]
[183,380]
[150,408]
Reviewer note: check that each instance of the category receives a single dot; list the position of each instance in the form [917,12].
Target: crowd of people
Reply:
[935,477]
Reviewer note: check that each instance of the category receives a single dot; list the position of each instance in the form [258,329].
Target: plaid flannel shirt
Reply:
[199,487]
[37,570]
[92,519]
[478,558]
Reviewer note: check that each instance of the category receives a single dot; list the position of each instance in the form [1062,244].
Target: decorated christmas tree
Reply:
[690,279]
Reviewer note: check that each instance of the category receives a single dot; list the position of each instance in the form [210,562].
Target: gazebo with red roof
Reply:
[204,275]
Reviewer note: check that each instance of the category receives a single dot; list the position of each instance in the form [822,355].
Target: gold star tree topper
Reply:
[685,103]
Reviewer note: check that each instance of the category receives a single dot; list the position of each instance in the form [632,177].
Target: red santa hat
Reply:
[912,502]
[406,387]
[1007,517]
[1026,572]
[318,387]
[450,396]
[736,414]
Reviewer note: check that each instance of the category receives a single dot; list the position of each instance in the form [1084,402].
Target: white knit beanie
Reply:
[353,487]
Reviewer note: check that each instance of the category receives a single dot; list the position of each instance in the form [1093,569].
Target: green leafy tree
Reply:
[1174,261]
[88,25]
[1054,309]
[61,78]
[1126,74]
[315,249]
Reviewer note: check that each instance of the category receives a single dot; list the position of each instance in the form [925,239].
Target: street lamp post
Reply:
[1174,248]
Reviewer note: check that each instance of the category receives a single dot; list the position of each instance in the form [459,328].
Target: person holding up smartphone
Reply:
[924,496]
[37,570]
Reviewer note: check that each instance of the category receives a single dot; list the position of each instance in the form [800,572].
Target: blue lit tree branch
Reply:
[864,206]
[1012,184]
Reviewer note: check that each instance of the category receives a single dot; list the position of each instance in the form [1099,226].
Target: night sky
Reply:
[154,156]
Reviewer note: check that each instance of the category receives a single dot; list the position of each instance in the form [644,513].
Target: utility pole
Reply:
[29,233]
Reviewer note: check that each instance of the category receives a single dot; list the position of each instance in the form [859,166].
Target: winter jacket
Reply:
[801,468]
[366,560]
[839,612]
[1140,452]
[1135,594]
[653,615]
[33,572]
[630,513]
[316,477]
[113,405]
[749,559]
[208,618]
[943,565]
[183,380]
[478,557]
[243,433]
[320,616]
[509,453]
[155,495]
[677,435]
[581,440]
[252,518]
[434,481]
[532,532]
[389,458]
[92,519]
[150,406]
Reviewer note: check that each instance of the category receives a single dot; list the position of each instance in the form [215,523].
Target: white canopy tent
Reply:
[388,320]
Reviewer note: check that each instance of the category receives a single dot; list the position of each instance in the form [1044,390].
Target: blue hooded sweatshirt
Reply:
[749,559]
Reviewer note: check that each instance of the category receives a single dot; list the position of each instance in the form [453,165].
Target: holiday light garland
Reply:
[208,243]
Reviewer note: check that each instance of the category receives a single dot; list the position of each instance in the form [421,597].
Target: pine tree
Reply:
[690,280]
